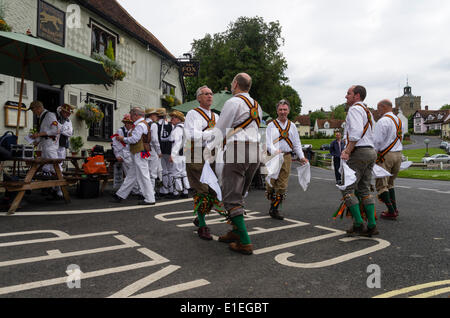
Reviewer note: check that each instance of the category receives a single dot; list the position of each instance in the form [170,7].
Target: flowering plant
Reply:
[4,26]
[112,68]
[91,114]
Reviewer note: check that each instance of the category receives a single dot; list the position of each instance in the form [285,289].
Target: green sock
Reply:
[386,198]
[370,212]
[241,229]
[356,213]
[393,201]
[201,220]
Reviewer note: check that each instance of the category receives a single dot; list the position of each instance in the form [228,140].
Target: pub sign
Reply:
[190,69]
[51,23]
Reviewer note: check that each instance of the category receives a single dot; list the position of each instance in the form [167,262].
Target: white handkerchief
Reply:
[210,179]
[405,165]
[378,172]
[273,167]
[304,176]
[29,140]
[348,174]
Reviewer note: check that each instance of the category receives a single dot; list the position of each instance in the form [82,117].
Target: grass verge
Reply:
[443,175]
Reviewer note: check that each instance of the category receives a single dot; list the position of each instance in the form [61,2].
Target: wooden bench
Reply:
[29,184]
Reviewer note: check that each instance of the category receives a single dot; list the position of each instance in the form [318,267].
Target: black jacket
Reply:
[334,148]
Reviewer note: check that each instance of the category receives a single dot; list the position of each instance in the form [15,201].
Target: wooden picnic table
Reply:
[33,181]
[74,160]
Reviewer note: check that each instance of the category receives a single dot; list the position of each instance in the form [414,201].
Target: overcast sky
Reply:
[329,44]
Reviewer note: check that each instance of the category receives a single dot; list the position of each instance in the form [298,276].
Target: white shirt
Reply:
[50,125]
[235,112]
[176,136]
[117,146]
[272,134]
[385,133]
[154,143]
[354,126]
[195,124]
[139,130]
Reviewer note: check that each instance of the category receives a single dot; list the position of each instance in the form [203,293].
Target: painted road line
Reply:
[128,243]
[173,289]
[412,289]
[105,210]
[61,237]
[382,244]
[300,242]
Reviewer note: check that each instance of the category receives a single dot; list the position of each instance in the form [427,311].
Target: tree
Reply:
[445,107]
[318,114]
[338,112]
[248,45]
[291,95]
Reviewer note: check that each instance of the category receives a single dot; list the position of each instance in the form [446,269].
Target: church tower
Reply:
[408,103]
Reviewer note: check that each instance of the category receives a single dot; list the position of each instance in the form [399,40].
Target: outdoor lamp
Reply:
[427,142]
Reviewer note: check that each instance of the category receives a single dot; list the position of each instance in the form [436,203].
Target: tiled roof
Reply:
[114,13]
[334,123]
[303,120]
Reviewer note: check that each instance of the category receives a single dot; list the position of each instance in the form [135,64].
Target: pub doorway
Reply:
[51,97]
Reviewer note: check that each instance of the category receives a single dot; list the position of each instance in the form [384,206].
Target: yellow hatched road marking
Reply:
[416,288]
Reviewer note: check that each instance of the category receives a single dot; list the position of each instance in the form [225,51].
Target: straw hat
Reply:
[67,108]
[35,104]
[127,119]
[150,111]
[177,114]
[161,112]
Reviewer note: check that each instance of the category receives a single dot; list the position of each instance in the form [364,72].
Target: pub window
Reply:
[103,130]
[168,89]
[100,39]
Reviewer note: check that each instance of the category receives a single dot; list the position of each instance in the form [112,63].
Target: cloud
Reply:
[329,45]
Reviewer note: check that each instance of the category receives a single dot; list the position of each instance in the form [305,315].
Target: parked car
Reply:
[437,159]
[448,149]
[306,146]
[325,147]
[444,145]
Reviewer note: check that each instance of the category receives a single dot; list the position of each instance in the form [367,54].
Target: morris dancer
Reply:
[198,129]
[388,142]
[239,123]
[282,137]
[360,156]
[178,172]
[139,141]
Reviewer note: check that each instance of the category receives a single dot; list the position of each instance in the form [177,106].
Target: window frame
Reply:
[107,124]
[104,30]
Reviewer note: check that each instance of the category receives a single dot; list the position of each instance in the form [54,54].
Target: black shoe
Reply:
[184,196]
[116,198]
[355,231]
[142,202]
[196,223]
[370,231]
[275,214]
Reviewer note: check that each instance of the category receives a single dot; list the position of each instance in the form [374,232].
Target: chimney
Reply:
[426,107]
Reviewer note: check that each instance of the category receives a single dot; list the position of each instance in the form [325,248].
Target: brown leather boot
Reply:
[241,248]
[204,233]
[230,237]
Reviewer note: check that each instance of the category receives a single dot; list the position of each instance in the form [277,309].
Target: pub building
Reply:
[92,27]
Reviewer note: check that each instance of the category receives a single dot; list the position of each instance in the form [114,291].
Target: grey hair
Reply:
[137,111]
[284,102]
[199,90]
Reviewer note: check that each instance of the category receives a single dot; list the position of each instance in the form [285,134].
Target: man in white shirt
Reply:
[139,141]
[388,144]
[178,172]
[154,164]
[282,138]
[360,156]
[198,130]
[63,115]
[122,153]
[238,126]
